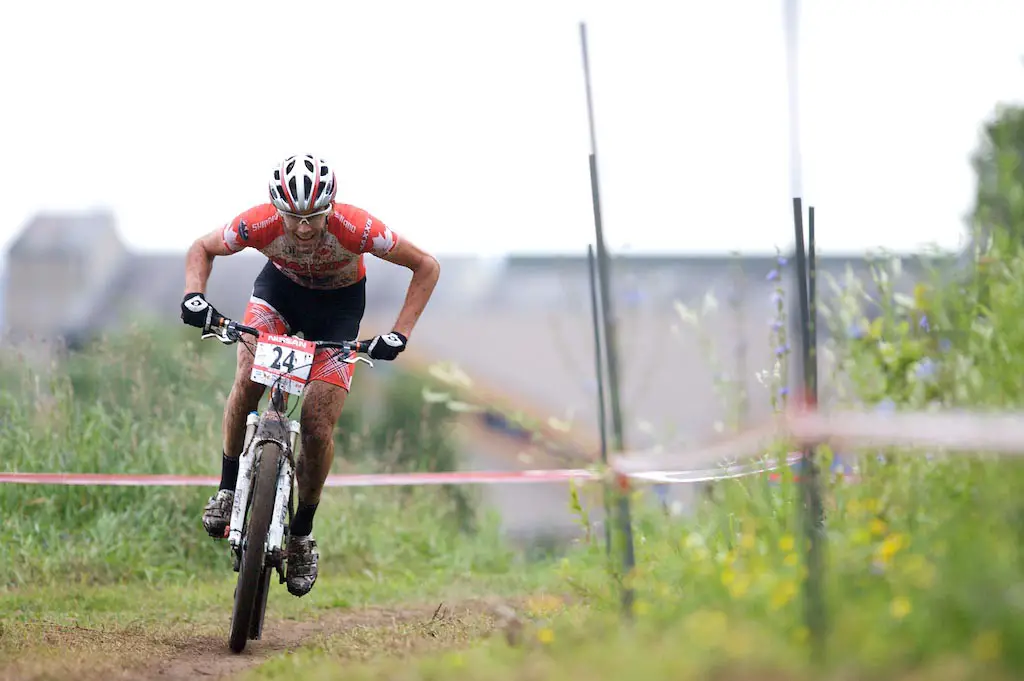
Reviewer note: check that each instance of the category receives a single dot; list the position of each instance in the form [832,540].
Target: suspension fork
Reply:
[244,482]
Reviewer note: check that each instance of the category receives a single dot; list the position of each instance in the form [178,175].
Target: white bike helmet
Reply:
[302,185]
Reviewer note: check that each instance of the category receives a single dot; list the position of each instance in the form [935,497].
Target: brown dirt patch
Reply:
[201,652]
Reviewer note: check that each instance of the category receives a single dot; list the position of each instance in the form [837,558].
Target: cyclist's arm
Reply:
[199,260]
[425,272]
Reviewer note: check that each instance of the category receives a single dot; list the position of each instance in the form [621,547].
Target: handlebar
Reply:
[229,331]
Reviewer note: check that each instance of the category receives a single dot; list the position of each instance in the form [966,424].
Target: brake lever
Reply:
[352,359]
[222,333]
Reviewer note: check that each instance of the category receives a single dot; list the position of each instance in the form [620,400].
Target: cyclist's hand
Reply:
[387,346]
[195,310]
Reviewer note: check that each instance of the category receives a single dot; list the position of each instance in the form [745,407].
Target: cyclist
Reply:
[314,283]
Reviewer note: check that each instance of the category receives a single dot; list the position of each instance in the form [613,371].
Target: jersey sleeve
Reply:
[246,230]
[370,234]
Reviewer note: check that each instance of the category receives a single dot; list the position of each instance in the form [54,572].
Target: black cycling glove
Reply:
[195,311]
[387,346]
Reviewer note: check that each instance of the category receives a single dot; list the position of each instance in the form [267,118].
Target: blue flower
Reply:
[781,350]
[924,323]
[886,405]
[782,261]
[855,332]
[783,391]
[773,275]
[945,345]
[925,368]
[777,297]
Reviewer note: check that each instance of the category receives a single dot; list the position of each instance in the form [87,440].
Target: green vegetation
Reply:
[151,402]
[924,559]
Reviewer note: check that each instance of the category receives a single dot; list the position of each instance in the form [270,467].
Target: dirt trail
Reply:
[85,654]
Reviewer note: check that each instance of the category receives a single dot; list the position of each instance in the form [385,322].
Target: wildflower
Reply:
[782,261]
[786,543]
[545,636]
[781,350]
[747,541]
[773,275]
[777,297]
[986,646]
[890,547]
[790,560]
[925,369]
[777,325]
[945,345]
[878,527]
[899,608]
[854,331]
[740,586]
[924,323]
[783,594]
[886,405]
[783,391]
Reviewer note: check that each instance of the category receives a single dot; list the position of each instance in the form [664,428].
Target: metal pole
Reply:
[603,277]
[592,270]
[811,507]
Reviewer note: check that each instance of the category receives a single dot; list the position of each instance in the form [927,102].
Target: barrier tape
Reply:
[998,432]
[935,431]
[397,479]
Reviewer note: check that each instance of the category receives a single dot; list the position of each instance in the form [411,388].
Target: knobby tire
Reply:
[251,571]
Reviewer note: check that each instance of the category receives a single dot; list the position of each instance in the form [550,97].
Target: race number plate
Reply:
[285,360]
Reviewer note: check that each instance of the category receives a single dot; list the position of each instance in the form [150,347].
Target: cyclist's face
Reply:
[304,232]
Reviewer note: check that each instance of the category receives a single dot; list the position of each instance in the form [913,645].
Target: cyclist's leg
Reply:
[326,315]
[322,404]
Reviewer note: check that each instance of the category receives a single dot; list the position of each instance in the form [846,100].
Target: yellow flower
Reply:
[747,541]
[878,527]
[728,577]
[545,636]
[739,587]
[641,607]
[853,506]
[790,560]
[786,543]
[889,548]
[899,608]
[986,646]
[783,594]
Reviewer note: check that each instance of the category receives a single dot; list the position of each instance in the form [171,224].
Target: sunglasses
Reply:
[304,219]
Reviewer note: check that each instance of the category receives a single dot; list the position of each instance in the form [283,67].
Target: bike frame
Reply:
[271,426]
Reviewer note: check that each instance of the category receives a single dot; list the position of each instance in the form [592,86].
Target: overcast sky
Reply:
[463,124]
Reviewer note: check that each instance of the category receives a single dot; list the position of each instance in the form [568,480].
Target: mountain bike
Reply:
[264,494]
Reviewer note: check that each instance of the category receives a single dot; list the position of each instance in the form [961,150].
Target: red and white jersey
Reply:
[338,258]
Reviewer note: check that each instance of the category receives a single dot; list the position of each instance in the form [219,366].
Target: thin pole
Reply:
[603,277]
[601,423]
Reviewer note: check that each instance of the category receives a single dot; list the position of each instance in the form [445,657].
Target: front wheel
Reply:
[251,572]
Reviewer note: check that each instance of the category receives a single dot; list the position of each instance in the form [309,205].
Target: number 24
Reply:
[289,360]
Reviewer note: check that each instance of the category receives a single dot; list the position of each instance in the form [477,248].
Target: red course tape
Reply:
[377,480]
